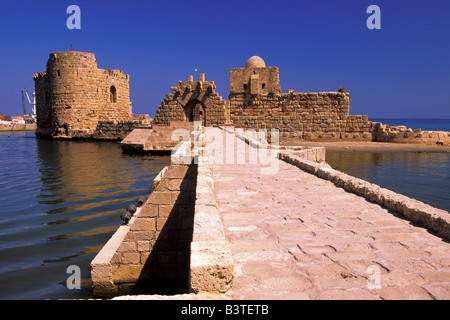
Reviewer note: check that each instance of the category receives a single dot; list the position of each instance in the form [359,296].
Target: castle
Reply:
[256,101]
[75,99]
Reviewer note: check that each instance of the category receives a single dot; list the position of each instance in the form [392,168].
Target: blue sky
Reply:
[399,71]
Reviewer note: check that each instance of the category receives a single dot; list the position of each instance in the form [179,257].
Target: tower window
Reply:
[112,94]
[58,72]
[245,86]
[263,85]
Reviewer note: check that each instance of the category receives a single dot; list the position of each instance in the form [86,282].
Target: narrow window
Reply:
[263,85]
[58,72]
[113,94]
[245,86]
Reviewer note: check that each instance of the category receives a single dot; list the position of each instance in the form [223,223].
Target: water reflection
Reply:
[64,199]
[424,176]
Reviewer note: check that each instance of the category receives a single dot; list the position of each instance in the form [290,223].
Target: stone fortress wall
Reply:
[75,99]
[257,102]
[193,101]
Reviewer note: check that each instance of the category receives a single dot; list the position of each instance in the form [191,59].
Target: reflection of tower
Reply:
[76,173]
[73,95]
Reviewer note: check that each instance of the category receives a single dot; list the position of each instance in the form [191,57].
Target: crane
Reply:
[33,104]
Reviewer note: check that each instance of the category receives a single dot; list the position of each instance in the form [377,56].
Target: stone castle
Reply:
[256,101]
[75,99]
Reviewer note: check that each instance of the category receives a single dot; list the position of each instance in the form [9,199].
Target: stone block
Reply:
[161,197]
[176,172]
[126,273]
[130,258]
[143,245]
[160,223]
[144,224]
[127,246]
[212,268]
[149,211]
[165,210]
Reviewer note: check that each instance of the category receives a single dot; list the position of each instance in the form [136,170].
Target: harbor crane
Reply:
[33,104]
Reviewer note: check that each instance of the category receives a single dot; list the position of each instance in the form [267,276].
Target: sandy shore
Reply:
[369,146]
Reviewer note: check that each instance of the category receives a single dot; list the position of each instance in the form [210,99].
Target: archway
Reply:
[195,111]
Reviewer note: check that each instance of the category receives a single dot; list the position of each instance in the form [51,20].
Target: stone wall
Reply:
[117,130]
[193,101]
[402,134]
[257,102]
[151,254]
[73,96]
[311,116]
[212,266]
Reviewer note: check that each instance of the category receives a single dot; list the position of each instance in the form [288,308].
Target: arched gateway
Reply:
[193,101]
[195,111]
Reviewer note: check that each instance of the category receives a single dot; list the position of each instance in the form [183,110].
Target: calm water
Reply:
[423,176]
[61,202]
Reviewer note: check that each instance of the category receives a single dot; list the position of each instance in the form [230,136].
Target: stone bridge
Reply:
[236,218]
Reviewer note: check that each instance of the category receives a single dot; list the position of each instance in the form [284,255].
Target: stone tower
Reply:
[73,96]
[255,79]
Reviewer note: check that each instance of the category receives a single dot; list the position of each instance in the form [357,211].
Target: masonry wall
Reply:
[152,255]
[193,101]
[311,116]
[73,96]
[402,134]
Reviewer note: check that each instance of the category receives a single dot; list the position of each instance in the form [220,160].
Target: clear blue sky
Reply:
[400,71]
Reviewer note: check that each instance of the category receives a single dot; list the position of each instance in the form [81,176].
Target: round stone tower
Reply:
[73,95]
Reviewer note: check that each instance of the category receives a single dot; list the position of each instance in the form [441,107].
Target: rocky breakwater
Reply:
[402,134]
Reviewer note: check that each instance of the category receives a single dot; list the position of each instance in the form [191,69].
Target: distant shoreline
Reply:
[17,127]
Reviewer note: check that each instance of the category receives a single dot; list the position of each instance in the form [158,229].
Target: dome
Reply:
[255,62]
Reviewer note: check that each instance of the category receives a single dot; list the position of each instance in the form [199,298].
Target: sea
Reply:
[424,176]
[61,201]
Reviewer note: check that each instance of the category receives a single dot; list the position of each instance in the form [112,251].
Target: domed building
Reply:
[255,79]
[255,62]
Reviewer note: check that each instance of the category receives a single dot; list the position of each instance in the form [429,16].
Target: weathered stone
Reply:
[75,99]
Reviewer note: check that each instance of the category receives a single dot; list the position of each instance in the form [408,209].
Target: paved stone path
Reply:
[295,236]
